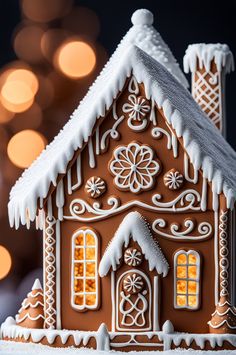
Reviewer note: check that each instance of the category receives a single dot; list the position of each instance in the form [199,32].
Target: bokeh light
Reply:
[5,262]
[52,40]
[27,43]
[45,10]
[5,115]
[18,90]
[76,59]
[24,147]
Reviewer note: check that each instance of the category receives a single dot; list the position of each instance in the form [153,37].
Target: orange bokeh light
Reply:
[45,10]
[5,262]
[18,90]
[24,147]
[5,115]
[76,59]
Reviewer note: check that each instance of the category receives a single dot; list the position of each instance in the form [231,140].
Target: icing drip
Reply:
[202,54]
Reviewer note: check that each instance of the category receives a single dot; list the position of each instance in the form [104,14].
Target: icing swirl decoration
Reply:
[177,233]
[133,257]
[134,167]
[173,179]
[133,283]
[137,108]
[95,187]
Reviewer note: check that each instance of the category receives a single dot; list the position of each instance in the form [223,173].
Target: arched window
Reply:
[84,274]
[187,279]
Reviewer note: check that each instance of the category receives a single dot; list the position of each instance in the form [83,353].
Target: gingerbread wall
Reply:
[194,206]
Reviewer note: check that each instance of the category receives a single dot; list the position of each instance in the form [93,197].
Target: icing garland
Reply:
[187,200]
[50,270]
[204,229]
[224,253]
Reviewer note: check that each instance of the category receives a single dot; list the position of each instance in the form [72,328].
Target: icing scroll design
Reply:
[50,260]
[204,230]
[112,132]
[224,253]
[81,210]
[139,319]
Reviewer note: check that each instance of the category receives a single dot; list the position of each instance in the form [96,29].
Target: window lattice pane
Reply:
[84,284]
[187,271]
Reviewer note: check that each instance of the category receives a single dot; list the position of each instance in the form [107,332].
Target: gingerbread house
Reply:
[135,198]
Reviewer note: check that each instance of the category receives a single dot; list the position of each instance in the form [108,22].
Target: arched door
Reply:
[133,302]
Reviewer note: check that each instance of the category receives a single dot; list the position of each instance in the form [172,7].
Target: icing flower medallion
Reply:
[173,179]
[137,108]
[95,187]
[133,283]
[134,168]
[133,257]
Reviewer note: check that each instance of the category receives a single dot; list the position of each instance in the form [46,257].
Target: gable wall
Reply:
[183,320]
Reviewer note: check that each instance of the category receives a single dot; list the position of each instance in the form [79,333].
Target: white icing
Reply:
[134,314]
[58,274]
[168,327]
[104,338]
[188,199]
[204,230]
[135,227]
[203,54]
[205,146]
[37,285]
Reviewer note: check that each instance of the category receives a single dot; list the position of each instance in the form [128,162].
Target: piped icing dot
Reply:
[142,17]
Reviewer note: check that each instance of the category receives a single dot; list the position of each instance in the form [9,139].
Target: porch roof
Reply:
[135,227]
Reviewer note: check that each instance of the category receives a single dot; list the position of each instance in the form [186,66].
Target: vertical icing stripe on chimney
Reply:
[208,64]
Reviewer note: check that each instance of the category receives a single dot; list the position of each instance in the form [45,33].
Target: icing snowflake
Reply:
[137,108]
[133,167]
[133,283]
[133,257]
[95,186]
[173,179]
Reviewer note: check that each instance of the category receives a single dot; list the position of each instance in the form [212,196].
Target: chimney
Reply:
[209,63]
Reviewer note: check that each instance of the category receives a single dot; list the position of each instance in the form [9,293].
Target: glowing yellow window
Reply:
[84,274]
[187,279]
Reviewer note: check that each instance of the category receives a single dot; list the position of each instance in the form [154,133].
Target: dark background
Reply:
[179,22]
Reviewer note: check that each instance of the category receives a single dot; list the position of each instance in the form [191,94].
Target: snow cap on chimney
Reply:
[202,54]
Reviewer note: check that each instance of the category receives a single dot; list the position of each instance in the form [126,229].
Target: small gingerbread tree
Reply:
[31,313]
[224,318]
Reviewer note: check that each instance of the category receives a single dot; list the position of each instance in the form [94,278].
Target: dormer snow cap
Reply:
[202,54]
[142,17]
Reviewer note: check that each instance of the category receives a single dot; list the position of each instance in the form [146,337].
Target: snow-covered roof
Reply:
[133,227]
[202,141]
[203,54]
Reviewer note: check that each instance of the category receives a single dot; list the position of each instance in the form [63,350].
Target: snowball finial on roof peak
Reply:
[142,17]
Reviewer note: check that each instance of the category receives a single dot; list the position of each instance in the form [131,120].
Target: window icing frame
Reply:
[84,231]
[187,279]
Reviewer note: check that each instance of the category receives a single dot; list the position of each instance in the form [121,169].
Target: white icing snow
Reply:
[11,330]
[202,54]
[10,347]
[37,285]
[133,226]
[204,144]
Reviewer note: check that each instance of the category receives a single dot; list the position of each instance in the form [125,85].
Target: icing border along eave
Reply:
[34,183]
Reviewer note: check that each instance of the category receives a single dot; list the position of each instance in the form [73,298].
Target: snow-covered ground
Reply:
[9,348]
